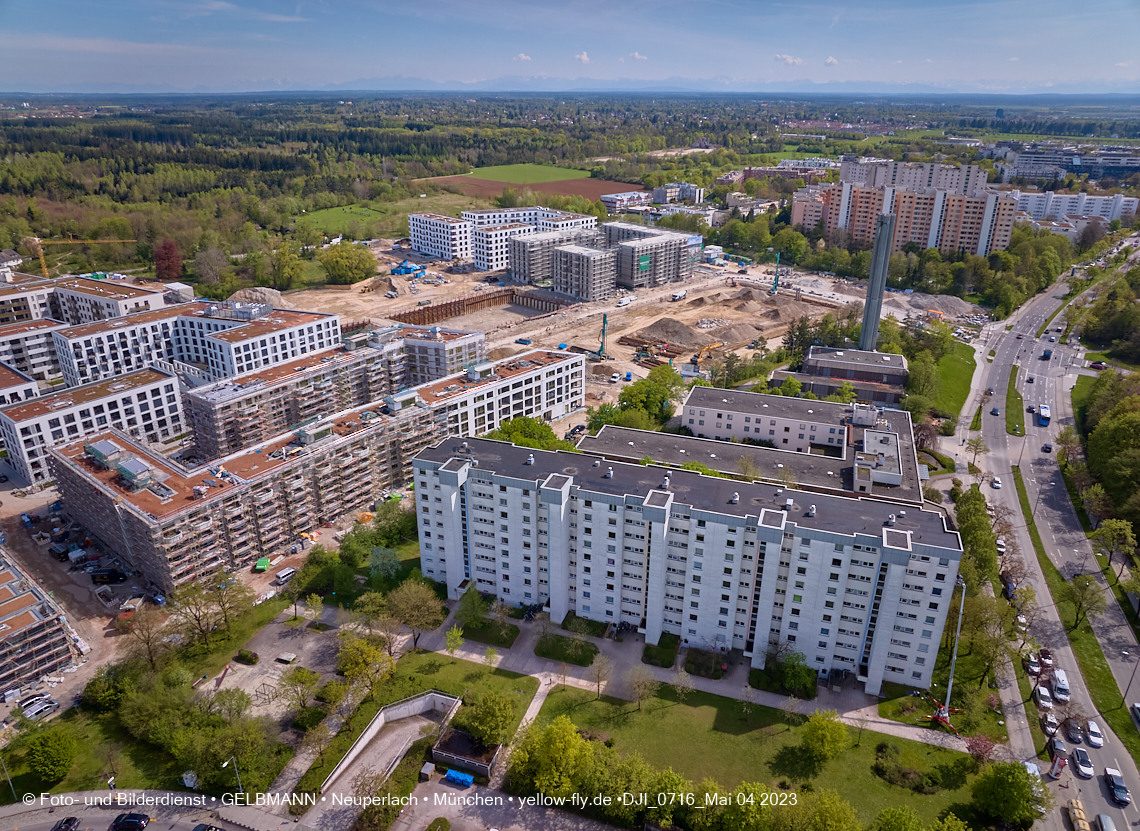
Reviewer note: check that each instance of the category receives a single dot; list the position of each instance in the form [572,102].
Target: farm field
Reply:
[527,174]
[592,189]
[390,219]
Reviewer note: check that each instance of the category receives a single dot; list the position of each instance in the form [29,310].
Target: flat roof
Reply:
[457,385]
[775,406]
[16,290]
[584,251]
[275,321]
[856,356]
[105,288]
[306,366]
[441,218]
[10,377]
[803,377]
[433,333]
[85,330]
[73,396]
[506,226]
[25,327]
[837,514]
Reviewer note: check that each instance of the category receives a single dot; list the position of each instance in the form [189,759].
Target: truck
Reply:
[680,295]
[523,341]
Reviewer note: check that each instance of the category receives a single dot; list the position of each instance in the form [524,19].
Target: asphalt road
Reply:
[1056,520]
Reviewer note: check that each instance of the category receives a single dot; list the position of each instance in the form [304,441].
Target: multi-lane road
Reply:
[1065,542]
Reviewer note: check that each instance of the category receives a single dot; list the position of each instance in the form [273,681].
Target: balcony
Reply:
[202,525]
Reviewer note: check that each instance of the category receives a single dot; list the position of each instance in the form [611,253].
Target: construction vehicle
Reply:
[601,353]
[409,268]
[776,279]
[705,353]
[36,244]
[729,280]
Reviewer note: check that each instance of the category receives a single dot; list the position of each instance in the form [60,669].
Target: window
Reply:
[797,598]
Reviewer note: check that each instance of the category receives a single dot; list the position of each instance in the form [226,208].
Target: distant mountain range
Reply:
[676,85]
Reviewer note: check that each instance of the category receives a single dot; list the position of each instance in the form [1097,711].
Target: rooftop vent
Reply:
[597,462]
[609,473]
[811,510]
[530,459]
[890,519]
[788,504]
[902,513]
[631,444]
[735,497]
[665,483]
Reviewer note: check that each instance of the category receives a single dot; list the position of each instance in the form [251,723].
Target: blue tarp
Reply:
[464,779]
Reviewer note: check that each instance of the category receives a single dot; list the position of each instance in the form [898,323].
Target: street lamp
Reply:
[13,787]
[238,775]
[1038,502]
[1130,680]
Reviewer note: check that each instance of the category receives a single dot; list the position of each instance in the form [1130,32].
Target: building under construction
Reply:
[648,256]
[532,257]
[584,273]
[35,638]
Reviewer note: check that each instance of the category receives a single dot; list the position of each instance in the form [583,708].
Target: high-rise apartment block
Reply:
[492,247]
[434,352]
[678,191]
[617,203]
[852,583]
[1052,205]
[587,274]
[933,219]
[27,346]
[969,180]
[441,236]
[145,404]
[648,256]
[82,300]
[174,524]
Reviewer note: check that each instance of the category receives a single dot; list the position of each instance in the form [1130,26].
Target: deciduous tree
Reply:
[600,671]
[347,263]
[454,638]
[490,719]
[1086,596]
[1114,539]
[1008,792]
[642,683]
[298,685]
[51,754]
[363,662]
[167,260]
[824,735]
[472,608]
[416,606]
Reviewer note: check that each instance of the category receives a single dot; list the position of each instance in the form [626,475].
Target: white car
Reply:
[1093,735]
[1049,724]
[996,483]
[1000,546]
[1022,623]
[1082,764]
[615,377]
[1044,699]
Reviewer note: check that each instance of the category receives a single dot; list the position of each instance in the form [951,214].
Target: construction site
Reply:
[724,309]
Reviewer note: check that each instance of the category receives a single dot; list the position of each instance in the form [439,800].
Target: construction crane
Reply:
[601,353]
[36,244]
[776,279]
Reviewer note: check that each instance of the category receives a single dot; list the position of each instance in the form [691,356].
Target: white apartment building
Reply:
[29,299]
[852,583]
[969,180]
[617,203]
[82,300]
[492,244]
[28,347]
[542,384]
[144,404]
[543,219]
[15,386]
[1052,205]
[441,236]
[432,352]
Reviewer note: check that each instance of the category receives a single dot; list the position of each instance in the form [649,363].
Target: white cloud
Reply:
[104,46]
[208,6]
[1123,63]
[928,60]
[831,62]
[789,60]
[583,58]
[521,57]
[898,61]
[637,56]
[1012,60]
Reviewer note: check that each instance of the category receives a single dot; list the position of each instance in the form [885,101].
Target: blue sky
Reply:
[1006,45]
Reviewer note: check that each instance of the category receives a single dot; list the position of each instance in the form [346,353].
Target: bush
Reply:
[705,664]
[932,495]
[948,426]
[308,718]
[889,767]
[664,654]
[244,656]
[51,754]
[439,824]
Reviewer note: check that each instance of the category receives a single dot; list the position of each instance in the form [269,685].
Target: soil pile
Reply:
[672,331]
[502,352]
[738,333]
[603,369]
[258,294]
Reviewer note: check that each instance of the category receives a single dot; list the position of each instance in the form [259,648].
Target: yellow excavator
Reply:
[37,245]
[705,353]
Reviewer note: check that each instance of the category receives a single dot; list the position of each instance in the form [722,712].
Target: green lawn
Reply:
[528,174]
[337,220]
[390,219]
[488,632]
[1075,498]
[709,735]
[955,371]
[1111,361]
[558,648]
[976,421]
[1080,394]
[417,672]
[1106,695]
[594,628]
[664,654]
[1014,406]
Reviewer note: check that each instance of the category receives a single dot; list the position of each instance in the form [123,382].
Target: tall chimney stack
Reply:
[880,260]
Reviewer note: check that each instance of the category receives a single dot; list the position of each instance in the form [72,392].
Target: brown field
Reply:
[592,189]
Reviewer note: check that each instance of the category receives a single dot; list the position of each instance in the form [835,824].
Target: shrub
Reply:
[948,426]
[932,495]
[51,754]
[308,718]
[244,656]
[888,766]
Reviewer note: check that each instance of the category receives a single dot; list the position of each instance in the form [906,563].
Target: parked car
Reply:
[1049,724]
[66,824]
[1056,746]
[1098,365]
[1032,665]
[1043,697]
[1022,623]
[1077,816]
[1000,546]
[1116,787]
[1093,736]
[1052,339]
[1082,764]
[615,377]
[1046,656]
[1073,731]
[1135,709]
[32,699]
[41,709]
[130,822]
[996,483]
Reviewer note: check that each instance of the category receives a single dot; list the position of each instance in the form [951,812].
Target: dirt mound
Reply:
[602,369]
[502,352]
[258,294]
[672,331]
[738,333]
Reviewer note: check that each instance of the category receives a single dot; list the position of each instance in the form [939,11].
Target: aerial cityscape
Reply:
[570,429]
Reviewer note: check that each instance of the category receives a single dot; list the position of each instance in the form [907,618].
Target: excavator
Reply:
[36,244]
[705,352]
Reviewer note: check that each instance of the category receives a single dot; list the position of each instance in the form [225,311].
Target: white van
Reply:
[286,575]
[1060,685]
[625,301]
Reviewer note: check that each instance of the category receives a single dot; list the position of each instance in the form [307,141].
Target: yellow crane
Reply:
[36,244]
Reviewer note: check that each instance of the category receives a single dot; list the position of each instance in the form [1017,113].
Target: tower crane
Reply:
[36,244]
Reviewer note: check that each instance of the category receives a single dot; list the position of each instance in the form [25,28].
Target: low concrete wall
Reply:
[464,763]
[414,706]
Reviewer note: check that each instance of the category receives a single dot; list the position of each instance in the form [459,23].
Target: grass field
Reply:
[528,174]
[1014,406]
[488,632]
[390,219]
[709,735]
[955,372]
[1111,361]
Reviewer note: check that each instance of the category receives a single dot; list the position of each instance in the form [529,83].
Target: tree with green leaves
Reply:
[1098,504]
[298,684]
[490,655]
[824,735]
[51,754]
[525,431]
[230,703]
[1114,538]
[284,266]
[316,605]
[1067,441]
[898,818]
[383,563]
[472,608]
[1085,595]
[415,606]
[195,610]
[369,608]
[977,445]
[364,662]
[490,719]
[642,683]
[233,597]
[347,263]
[454,640]
[1007,792]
